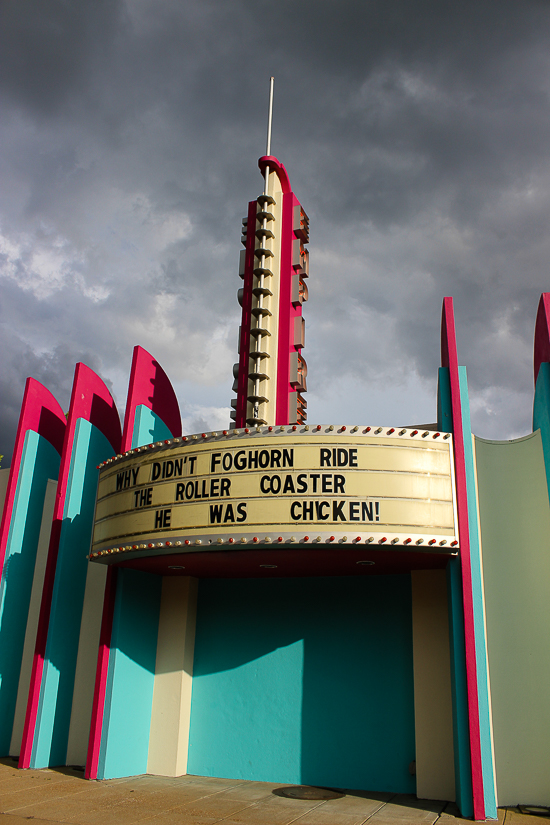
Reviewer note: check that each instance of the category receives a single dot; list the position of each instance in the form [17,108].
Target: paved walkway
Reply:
[62,795]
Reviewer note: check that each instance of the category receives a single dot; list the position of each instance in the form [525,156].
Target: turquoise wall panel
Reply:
[305,681]
[131,675]
[54,709]
[39,462]
[148,427]
[541,414]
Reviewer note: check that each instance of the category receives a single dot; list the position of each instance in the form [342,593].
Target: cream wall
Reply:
[515,535]
[435,778]
[86,665]
[169,738]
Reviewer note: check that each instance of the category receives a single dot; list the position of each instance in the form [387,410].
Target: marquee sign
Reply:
[279,484]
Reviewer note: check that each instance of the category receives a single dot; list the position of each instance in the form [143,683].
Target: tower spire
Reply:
[268,142]
[269,116]
[270,376]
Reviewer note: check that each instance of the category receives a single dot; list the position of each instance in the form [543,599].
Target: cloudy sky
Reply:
[416,135]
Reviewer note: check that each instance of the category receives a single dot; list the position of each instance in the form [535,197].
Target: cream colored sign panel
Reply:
[394,488]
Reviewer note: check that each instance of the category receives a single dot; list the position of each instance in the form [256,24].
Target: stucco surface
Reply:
[515,533]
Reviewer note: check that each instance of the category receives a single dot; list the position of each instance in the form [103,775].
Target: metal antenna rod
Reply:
[269,117]
[257,348]
[268,146]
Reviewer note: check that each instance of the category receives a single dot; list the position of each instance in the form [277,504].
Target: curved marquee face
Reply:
[280,484]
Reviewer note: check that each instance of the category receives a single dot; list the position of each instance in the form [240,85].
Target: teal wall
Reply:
[305,681]
[541,414]
[131,672]
[131,675]
[39,462]
[54,709]
[148,427]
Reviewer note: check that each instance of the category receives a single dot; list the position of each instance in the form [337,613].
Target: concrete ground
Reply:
[63,795]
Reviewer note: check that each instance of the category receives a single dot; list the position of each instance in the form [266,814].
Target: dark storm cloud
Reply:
[416,135]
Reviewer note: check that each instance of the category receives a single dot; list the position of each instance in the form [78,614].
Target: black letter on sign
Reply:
[241,510]
[338,510]
[319,507]
[162,518]
[366,510]
[293,506]
[342,457]
[216,513]
[156,471]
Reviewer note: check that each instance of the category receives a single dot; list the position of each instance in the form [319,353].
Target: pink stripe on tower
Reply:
[149,386]
[542,333]
[276,166]
[449,358]
[286,312]
[39,412]
[92,401]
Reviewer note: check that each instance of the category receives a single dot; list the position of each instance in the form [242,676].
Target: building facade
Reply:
[355,606]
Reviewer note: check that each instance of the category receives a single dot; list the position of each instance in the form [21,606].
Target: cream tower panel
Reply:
[265,388]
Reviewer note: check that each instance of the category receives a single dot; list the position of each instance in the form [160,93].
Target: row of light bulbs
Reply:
[269,429]
[267,540]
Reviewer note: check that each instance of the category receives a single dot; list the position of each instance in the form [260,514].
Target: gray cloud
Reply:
[416,136]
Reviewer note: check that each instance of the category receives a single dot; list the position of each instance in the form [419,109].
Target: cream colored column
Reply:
[435,777]
[32,620]
[169,739]
[86,664]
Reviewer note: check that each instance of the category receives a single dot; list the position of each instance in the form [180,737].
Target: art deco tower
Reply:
[270,376]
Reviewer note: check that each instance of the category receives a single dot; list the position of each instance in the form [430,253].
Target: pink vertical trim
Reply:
[449,358]
[542,333]
[92,401]
[98,705]
[39,412]
[287,312]
[246,317]
[149,385]
[276,166]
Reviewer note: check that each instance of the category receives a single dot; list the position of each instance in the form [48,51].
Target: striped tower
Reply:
[270,376]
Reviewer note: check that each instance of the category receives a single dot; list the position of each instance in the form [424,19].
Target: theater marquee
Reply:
[280,484]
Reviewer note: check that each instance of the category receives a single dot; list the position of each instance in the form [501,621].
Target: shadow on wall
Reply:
[305,681]
[17,581]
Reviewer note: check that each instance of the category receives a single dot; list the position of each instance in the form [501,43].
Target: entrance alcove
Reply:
[334,680]
[305,680]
